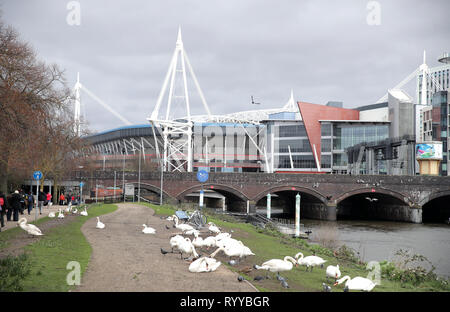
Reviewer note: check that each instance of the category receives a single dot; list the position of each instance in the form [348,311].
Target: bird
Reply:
[175,240]
[259,277]
[84,212]
[185,246]
[51,214]
[167,227]
[29,228]
[75,211]
[68,208]
[191,232]
[280,278]
[372,199]
[234,250]
[204,264]
[309,261]
[197,241]
[213,228]
[232,262]
[284,284]
[164,251]
[240,278]
[182,227]
[278,265]
[326,288]
[208,242]
[60,214]
[148,230]
[100,225]
[356,283]
[333,272]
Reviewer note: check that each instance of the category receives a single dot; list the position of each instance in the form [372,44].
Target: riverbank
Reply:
[269,244]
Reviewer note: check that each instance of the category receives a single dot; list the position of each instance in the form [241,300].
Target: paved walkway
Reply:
[32,217]
[125,259]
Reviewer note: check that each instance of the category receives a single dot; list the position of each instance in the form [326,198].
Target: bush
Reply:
[12,271]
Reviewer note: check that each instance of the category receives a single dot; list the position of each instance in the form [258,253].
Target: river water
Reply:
[379,240]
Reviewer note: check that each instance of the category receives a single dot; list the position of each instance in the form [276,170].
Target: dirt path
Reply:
[125,259]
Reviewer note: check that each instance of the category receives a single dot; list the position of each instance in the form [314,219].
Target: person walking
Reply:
[30,203]
[41,199]
[16,204]
[49,199]
[2,210]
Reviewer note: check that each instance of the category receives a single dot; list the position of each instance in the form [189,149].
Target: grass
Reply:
[9,234]
[50,255]
[269,244]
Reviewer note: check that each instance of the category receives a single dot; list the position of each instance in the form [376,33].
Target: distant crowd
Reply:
[16,203]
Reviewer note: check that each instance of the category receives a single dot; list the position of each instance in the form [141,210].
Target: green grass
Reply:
[267,245]
[50,255]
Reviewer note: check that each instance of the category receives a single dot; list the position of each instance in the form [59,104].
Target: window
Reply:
[292,131]
[325,129]
[325,161]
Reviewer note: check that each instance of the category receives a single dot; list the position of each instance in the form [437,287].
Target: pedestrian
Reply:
[61,199]
[73,200]
[15,204]
[69,199]
[23,200]
[2,210]
[41,199]
[49,199]
[8,208]
[30,202]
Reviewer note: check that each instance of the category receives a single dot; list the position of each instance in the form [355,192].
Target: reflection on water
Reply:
[379,240]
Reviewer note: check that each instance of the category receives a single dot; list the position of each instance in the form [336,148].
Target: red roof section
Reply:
[312,113]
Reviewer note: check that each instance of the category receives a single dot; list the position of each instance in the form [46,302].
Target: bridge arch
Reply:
[292,188]
[376,204]
[235,200]
[152,188]
[435,208]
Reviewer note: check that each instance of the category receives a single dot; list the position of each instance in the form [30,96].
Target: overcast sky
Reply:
[323,50]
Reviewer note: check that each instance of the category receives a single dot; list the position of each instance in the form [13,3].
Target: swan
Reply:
[192,232]
[213,228]
[174,241]
[185,246]
[204,264]
[170,218]
[60,214]
[84,212]
[210,241]
[100,225]
[68,208]
[356,283]
[148,230]
[333,272]
[30,228]
[183,227]
[234,250]
[75,211]
[223,235]
[51,214]
[309,261]
[197,241]
[278,265]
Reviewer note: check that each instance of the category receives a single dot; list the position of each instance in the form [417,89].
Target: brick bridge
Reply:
[325,196]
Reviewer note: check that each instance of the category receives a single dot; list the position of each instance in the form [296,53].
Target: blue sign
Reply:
[37,175]
[202,176]
[81,184]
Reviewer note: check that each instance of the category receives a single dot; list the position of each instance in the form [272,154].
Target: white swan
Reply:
[68,208]
[213,228]
[100,225]
[30,228]
[204,264]
[183,227]
[75,211]
[356,283]
[84,212]
[51,214]
[333,272]
[223,235]
[278,265]
[197,241]
[234,250]
[170,218]
[60,214]
[174,241]
[192,232]
[186,246]
[148,230]
[309,261]
[210,241]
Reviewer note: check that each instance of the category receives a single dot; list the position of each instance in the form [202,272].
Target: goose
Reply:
[84,212]
[213,228]
[51,214]
[60,214]
[278,265]
[185,246]
[310,261]
[333,272]
[30,228]
[100,225]
[356,283]
[204,264]
[148,230]
[183,227]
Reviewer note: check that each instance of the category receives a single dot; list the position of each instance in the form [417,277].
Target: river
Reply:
[379,240]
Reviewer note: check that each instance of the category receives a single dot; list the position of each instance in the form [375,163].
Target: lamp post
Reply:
[297,215]
[123,175]
[139,177]
[161,188]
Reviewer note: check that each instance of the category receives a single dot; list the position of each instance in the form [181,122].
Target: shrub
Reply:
[12,271]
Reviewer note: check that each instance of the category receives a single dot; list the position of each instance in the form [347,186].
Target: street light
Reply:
[123,174]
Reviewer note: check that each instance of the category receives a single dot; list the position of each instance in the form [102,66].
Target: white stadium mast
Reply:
[177,134]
